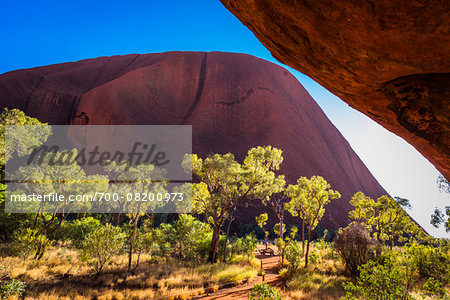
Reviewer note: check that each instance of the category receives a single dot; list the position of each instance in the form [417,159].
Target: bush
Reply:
[294,253]
[165,238]
[263,291]
[193,238]
[245,245]
[77,230]
[434,288]
[101,245]
[430,262]
[384,281]
[28,241]
[354,246]
[14,287]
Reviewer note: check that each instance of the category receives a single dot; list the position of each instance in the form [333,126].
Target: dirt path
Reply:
[241,291]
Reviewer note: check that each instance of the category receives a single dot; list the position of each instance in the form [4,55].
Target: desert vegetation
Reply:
[381,254]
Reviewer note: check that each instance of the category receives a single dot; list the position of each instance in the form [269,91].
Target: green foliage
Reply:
[438,217]
[46,179]
[443,184]
[77,230]
[384,217]
[245,245]
[101,245]
[22,139]
[430,262]
[261,220]
[308,200]
[9,223]
[293,253]
[379,281]
[193,238]
[28,241]
[434,288]
[20,142]
[11,288]
[226,184]
[165,237]
[276,229]
[263,291]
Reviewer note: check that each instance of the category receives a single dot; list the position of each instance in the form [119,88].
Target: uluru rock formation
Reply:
[388,59]
[233,101]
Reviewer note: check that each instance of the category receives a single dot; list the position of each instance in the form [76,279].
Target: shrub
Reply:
[77,230]
[101,245]
[193,238]
[245,245]
[354,246]
[294,253]
[28,241]
[14,287]
[165,238]
[377,281]
[263,291]
[433,287]
[430,262]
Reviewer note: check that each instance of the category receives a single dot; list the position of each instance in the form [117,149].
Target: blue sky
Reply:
[37,33]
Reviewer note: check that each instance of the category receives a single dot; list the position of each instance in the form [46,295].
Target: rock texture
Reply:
[388,59]
[233,101]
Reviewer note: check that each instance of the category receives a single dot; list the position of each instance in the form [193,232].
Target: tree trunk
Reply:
[214,247]
[133,238]
[307,250]
[303,235]
[118,215]
[226,240]
[281,228]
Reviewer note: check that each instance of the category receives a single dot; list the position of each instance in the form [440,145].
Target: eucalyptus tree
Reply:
[224,184]
[308,200]
[384,217]
[19,143]
[261,220]
[438,217]
[277,202]
[137,190]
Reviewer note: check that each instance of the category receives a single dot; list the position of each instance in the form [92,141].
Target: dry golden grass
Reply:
[61,275]
[321,280]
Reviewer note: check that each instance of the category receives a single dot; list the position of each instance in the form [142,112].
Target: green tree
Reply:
[21,139]
[77,230]
[438,217]
[20,142]
[225,184]
[136,181]
[101,245]
[67,180]
[193,236]
[308,200]
[277,202]
[29,241]
[384,217]
[261,220]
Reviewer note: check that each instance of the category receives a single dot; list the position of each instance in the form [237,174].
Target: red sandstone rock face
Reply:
[233,101]
[388,59]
